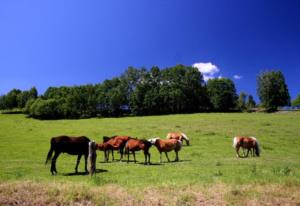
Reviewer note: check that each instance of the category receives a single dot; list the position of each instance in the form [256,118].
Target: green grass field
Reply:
[208,171]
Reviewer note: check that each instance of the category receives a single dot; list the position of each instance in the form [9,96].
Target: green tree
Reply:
[272,90]
[250,103]
[242,101]
[296,102]
[222,94]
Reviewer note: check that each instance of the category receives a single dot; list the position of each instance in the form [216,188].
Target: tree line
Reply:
[138,91]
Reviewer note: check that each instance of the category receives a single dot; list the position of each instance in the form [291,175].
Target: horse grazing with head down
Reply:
[134,145]
[71,145]
[179,136]
[249,143]
[167,145]
[113,143]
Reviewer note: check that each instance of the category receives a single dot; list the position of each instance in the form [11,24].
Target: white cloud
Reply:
[237,76]
[208,70]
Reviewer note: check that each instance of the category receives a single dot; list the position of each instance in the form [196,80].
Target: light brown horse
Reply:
[71,145]
[134,145]
[114,143]
[179,136]
[167,145]
[249,143]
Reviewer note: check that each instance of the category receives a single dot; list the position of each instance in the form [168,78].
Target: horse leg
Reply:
[113,156]
[121,153]
[146,155]
[149,156]
[160,157]
[53,163]
[176,158]
[247,152]
[78,161]
[127,155]
[167,156]
[237,151]
[85,161]
[133,152]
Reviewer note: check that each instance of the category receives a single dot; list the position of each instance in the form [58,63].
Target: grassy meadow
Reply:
[208,172]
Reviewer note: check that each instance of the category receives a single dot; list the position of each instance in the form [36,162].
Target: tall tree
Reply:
[222,94]
[272,90]
[242,101]
[251,103]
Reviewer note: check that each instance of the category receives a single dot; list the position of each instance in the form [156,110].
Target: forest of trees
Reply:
[178,89]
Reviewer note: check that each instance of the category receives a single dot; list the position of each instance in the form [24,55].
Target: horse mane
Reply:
[184,136]
[235,142]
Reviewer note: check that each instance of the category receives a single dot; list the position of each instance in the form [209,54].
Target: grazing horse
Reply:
[92,157]
[71,145]
[179,136]
[113,143]
[167,145]
[249,143]
[134,145]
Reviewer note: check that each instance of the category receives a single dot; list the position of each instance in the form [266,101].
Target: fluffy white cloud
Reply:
[237,76]
[208,70]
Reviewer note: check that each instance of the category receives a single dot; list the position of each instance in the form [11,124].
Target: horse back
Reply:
[71,145]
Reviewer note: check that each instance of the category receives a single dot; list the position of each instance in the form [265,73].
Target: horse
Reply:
[179,136]
[92,157]
[249,143]
[134,145]
[71,145]
[113,143]
[167,145]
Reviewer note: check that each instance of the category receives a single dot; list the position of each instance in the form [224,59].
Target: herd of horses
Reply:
[83,146]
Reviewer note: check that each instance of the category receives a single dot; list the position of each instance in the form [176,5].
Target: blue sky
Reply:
[55,43]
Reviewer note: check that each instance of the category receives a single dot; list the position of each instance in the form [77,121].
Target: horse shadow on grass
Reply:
[84,173]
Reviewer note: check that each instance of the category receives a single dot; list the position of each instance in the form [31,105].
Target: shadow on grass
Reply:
[84,173]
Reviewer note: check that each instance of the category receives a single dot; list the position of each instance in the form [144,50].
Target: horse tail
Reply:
[50,151]
[257,148]
[235,142]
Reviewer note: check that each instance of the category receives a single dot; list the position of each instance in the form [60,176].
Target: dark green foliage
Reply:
[242,101]
[251,103]
[45,109]
[296,102]
[272,90]
[222,94]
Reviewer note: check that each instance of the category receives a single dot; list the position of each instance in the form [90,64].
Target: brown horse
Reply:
[134,145]
[167,145]
[249,143]
[71,145]
[179,136]
[113,143]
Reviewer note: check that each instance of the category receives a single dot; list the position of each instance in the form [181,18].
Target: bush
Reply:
[45,109]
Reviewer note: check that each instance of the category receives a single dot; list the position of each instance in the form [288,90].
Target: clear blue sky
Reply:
[55,42]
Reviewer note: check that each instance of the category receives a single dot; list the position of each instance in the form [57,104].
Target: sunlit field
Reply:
[208,171]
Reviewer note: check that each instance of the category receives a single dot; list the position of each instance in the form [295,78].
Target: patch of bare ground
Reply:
[32,193]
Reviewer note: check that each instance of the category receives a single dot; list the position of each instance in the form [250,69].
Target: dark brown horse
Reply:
[167,145]
[134,145]
[249,143]
[71,145]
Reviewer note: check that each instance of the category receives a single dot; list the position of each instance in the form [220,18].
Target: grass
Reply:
[209,162]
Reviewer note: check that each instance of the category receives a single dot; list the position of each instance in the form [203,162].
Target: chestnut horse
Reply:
[71,145]
[113,143]
[167,145]
[134,145]
[179,136]
[249,143]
